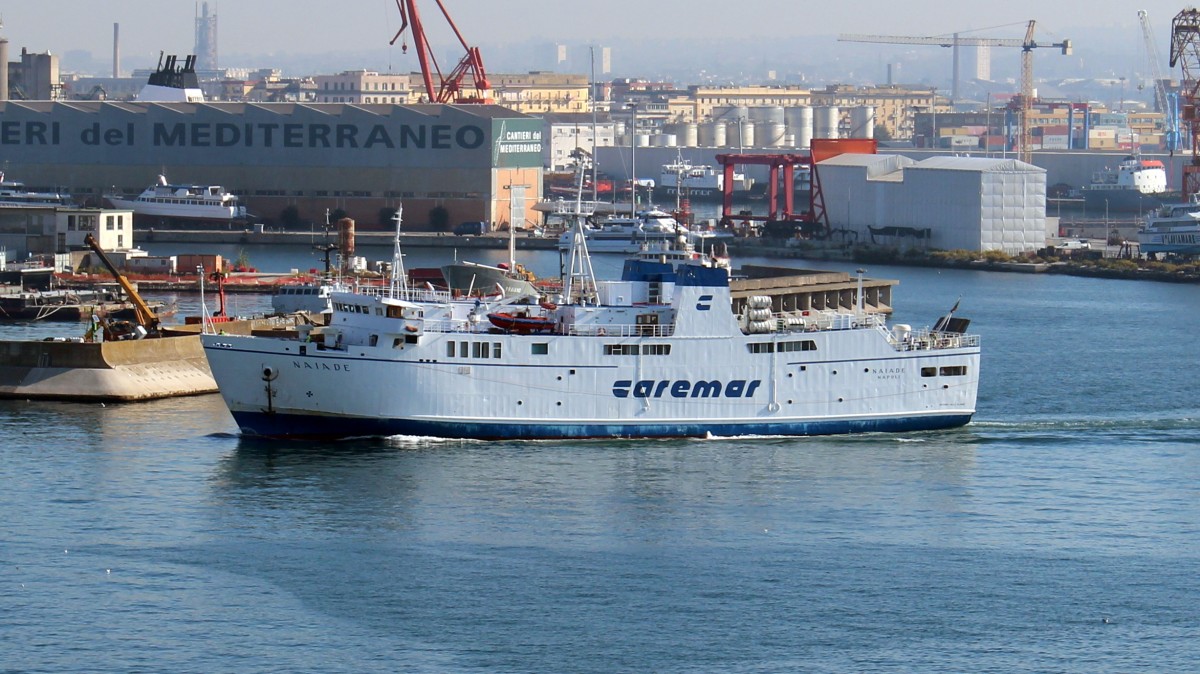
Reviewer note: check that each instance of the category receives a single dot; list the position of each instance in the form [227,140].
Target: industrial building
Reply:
[948,203]
[444,163]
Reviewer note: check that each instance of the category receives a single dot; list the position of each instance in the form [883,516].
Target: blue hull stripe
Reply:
[261,424]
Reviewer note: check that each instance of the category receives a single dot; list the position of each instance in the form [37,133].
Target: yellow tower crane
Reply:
[1027,45]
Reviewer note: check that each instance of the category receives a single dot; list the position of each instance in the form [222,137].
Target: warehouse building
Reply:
[290,163]
[948,203]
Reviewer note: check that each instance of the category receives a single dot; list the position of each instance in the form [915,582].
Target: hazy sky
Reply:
[306,26]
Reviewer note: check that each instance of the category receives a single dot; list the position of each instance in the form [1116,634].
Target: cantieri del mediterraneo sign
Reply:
[216,134]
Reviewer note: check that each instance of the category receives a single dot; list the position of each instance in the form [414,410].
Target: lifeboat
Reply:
[520,323]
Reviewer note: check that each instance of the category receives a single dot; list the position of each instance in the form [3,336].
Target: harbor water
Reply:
[1055,533]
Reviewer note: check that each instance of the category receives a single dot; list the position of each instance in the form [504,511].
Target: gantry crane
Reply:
[1165,101]
[1024,100]
[1185,52]
[449,88]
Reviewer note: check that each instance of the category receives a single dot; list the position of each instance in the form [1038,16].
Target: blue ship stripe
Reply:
[262,424]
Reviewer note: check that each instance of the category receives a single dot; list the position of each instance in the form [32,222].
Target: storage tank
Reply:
[712,134]
[663,140]
[685,133]
[825,121]
[862,121]
[769,134]
[730,113]
[767,114]
[747,134]
[643,140]
[799,121]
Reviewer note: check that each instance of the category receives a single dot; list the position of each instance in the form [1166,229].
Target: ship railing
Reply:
[568,207]
[815,320]
[929,340]
[621,330]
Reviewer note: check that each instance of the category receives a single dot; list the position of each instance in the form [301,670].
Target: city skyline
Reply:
[274,27]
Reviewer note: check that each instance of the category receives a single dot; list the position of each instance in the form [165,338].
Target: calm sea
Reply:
[1056,533]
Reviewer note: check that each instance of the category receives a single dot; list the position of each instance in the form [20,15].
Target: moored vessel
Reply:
[1136,186]
[168,202]
[1172,229]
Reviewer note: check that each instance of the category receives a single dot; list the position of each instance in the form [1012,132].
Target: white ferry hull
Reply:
[154,210]
[854,381]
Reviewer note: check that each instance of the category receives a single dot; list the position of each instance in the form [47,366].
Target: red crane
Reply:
[449,89]
[1185,53]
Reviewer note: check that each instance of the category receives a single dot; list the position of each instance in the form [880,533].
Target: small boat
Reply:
[474,278]
[626,235]
[520,322]
[168,202]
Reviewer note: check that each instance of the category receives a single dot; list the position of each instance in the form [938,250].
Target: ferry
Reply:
[166,201]
[1173,229]
[626,235]
[15,194]
[665,351]
[700,182]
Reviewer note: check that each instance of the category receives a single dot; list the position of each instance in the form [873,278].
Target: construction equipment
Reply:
[1185,52]
[1024,100]
[1166,102]
[146,318]
[449,89]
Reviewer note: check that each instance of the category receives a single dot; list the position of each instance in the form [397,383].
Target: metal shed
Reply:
[970,203]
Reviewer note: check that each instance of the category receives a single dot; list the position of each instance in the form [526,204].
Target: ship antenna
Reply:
[399,277]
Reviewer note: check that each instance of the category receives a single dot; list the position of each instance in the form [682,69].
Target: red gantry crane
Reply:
[1185,52]
[449,88]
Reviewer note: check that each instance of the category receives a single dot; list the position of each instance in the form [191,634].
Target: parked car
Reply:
[477,228]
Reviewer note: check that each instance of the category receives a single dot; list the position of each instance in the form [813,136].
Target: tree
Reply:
[386,216]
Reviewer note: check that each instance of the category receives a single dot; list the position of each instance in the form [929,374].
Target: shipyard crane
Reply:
[1027,45]
[1185,52]
[1164,101]
[448,88]
[146,318]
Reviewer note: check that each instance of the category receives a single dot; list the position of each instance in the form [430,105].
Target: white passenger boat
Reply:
[658,353]
[166,201]
[1172,229]
[625,235]
[700,182]
[14,193]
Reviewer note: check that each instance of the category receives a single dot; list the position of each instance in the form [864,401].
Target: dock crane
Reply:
[146,318]
[1166,102]
[1185,52]
[1024,100]
[449,88]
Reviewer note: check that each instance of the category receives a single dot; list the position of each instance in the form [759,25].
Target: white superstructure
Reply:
[1172,229]
[627,235]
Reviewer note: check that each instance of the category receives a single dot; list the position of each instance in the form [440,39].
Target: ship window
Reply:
[462,349]
[620,349]
[954,371]
[479,349]
[929,372]
[374,340]
[803,345]
[761,347]
[539,349]
[495,349]
[656,349]
[450,349]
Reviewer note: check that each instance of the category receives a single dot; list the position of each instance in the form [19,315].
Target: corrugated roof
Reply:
[977,164]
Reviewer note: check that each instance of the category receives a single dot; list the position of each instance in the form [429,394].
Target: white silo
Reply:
[767,114]
[800,123]
[746,131]
[690,136]
[862,121]
[825,121]
[643,140]
[712,134]
[730,114]
[769,134]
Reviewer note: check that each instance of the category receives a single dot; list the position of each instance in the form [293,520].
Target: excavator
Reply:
[146,325]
